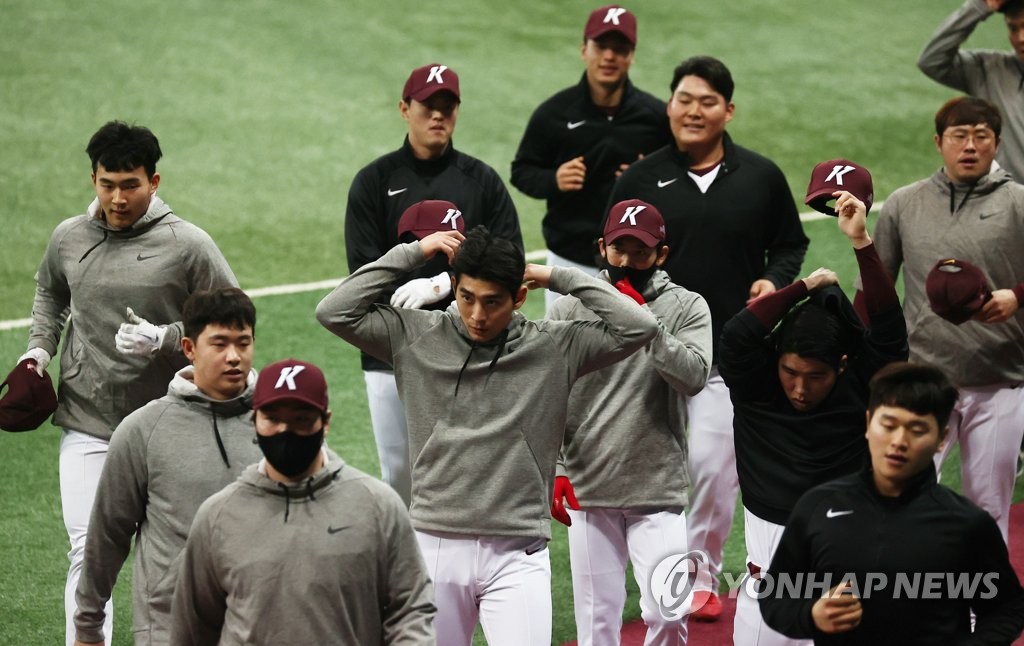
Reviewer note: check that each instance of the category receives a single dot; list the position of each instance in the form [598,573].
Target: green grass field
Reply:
[266,110]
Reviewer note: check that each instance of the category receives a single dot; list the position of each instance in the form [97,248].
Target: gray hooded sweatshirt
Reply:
[164,460]
[624,443]
[983,223]
[485,420]
[330,560]
[93,272]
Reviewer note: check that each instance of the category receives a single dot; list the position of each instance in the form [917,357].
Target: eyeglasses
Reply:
[982,137]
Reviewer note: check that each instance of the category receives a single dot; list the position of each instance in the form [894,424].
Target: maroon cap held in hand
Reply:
[29,400]
[956,289]
[838,175]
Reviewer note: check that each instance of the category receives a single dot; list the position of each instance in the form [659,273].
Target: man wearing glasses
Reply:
[973,212]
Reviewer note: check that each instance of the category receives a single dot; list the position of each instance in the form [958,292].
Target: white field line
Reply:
[331,283]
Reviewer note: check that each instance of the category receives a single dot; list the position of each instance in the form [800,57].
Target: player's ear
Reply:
[662,256]
[602,248]
[188,347]
[520,297]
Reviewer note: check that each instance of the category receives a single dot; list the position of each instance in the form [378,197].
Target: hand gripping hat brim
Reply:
[29,400]
[838,175]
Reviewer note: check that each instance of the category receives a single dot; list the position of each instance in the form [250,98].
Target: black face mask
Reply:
[289,453]
[637,277]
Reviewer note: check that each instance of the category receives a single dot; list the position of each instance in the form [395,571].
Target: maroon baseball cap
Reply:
[838,175]
[956,289]
[29,400]
[291,380]
[635,218]
[608,19]
[426,81]
[430,216]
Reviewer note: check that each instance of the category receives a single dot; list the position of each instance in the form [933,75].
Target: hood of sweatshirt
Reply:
[183,386]
[295,492]
[959,193]
[510,334]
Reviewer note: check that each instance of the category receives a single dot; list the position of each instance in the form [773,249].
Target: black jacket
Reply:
[746,227]
[566,126]
[384,189]
[927,534]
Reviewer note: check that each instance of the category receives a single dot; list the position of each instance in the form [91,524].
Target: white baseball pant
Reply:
[712,468]
[988,422]
[504,582]
[762,539]
[390,432]
[554,260]
[600,541]
[81,462]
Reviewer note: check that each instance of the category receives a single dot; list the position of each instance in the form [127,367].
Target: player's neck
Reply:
[605,96]
[702,157]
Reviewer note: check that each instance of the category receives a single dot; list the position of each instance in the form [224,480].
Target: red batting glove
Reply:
[625,287]
[563,490]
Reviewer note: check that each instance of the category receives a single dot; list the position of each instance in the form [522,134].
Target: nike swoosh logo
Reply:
[985,216]
[392,193]
[837,514]
[572,125]
[662,183]
[140,257]
[335,530]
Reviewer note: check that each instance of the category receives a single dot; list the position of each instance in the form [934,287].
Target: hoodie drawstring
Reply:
[952,198]
[220,442]
[502,338]
[287,500]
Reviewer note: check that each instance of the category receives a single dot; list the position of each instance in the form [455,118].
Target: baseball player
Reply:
[302,548]
[426,167]
[164,460]
[624,454]
[579,140]
[120,274]
[734,234]
[886,555]
[988,74]
[971,211]
[485,393]
[797,363]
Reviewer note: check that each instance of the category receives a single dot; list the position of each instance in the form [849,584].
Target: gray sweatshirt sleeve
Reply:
[200,603]
[623,329]
[887,238]
[681,351]
[52,302]
[351,312]
[119,506]
[408,615]
[942,59]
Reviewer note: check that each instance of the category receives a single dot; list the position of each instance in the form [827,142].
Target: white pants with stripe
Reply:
[390,432]
[81,462]
[762,539]
[554,260]
[713,481]
[503,582]
[600,541]
[989,424]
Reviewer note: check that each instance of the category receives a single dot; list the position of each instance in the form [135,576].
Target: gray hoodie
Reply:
[93,272]
[164,460]
[994,75]
[331,560]
[485,420]
[933,219]
[624,443]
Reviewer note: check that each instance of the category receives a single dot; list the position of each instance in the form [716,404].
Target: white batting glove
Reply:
[138,336]
[422,291]
[41,358]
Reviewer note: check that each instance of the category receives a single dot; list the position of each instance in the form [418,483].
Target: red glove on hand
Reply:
[563,490]
[626,287]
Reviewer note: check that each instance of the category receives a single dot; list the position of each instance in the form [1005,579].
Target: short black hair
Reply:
[486,257]
[917,387]
[708,68]
[122,147]
[1012,7]
[967,111]
[227,306]
[812,332]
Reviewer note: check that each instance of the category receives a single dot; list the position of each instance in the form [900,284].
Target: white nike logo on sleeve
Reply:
[572,125]
[392,193]
[836,514]
[662,183]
